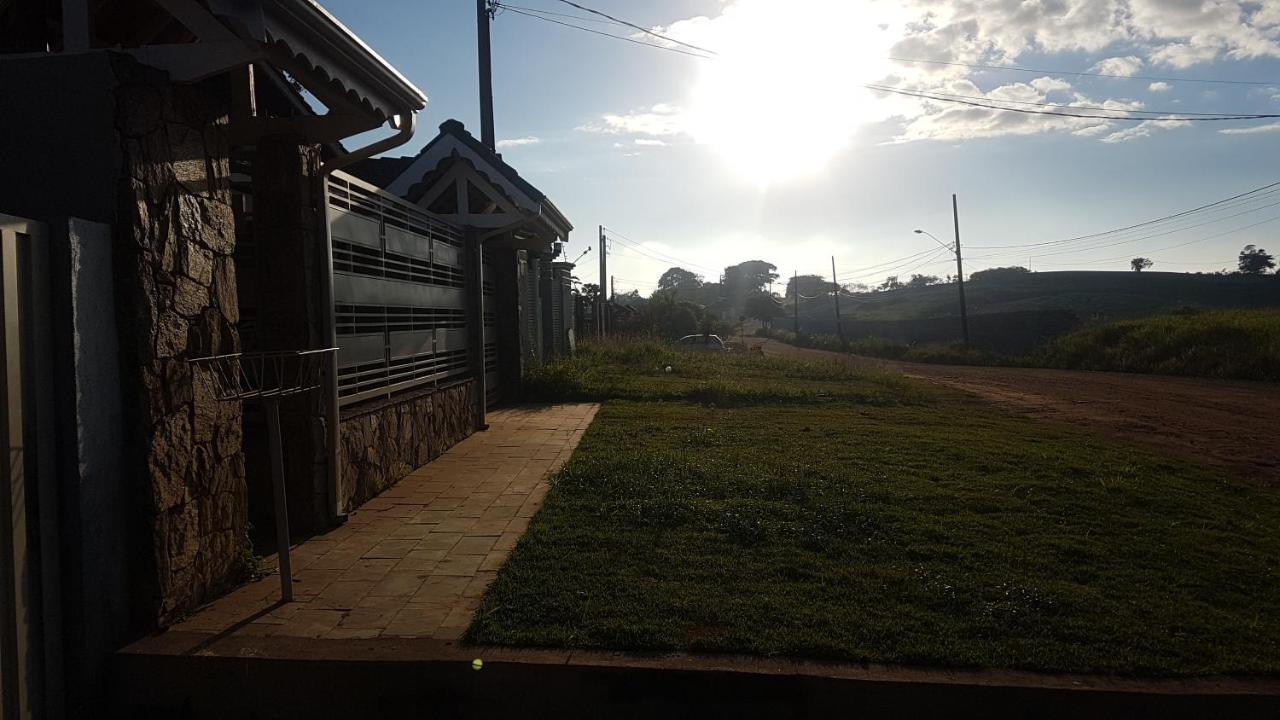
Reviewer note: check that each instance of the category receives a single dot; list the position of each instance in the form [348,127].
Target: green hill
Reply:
[1091,296]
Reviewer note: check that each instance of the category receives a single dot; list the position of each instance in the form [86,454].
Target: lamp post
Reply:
[955,250]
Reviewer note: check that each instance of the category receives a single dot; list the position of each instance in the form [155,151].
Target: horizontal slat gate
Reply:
[399,291]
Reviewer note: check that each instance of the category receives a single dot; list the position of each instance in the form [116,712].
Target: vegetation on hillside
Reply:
[904,528]
[1224,344]
[1239,344]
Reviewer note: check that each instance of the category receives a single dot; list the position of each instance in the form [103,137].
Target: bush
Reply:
[1237,344]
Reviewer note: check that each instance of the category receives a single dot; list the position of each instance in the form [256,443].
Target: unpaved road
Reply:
[1227,424]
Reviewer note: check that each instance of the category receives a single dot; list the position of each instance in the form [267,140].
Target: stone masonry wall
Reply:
[176,299]
[384,441]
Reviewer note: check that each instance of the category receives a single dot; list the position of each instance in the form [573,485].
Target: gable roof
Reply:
[455,141]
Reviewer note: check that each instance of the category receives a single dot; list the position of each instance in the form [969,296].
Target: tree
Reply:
[998,273]
[891,283]
[1255,261]
[1140,263]
[752,275]
[680,280]
[763,307]
[917,281]
[743,280]
[810,286]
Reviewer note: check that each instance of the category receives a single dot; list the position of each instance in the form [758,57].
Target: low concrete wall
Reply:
[384,440]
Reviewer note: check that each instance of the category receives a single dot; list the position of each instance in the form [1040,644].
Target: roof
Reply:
[380,171]
[314,36]
[196,39]
[454,139]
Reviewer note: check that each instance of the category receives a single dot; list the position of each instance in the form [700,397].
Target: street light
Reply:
[945,246]
[955,250]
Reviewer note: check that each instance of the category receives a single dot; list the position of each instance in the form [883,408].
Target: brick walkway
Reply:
[414,561]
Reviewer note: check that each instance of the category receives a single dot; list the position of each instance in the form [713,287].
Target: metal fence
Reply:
[399,293]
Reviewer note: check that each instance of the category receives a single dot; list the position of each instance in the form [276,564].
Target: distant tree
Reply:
[923,281]
[891,283]
[680,280]
[1255,261]
[810,286]
[631,298]
[1140,263]
[763,307]
[998,273]
[743,280]
[750,276]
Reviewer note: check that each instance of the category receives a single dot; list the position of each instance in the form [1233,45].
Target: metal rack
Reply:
[269,377]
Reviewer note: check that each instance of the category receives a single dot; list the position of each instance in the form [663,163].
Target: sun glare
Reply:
[784,95]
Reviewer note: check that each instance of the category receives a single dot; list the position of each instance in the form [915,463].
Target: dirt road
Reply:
[1232,425]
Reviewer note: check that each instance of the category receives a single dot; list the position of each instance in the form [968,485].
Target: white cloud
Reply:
[1119,37]
[1123,66]
[1143,129]
[1255,130]
[657,121]
[650,142]
[518,142]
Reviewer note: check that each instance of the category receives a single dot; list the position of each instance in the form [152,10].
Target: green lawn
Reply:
[879,522]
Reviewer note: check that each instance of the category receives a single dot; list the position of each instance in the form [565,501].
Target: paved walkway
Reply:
[414,561]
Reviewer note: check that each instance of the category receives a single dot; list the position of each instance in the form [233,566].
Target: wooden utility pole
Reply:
[964,313]
[604,254]
[484,15]
[835,295]
[795,290]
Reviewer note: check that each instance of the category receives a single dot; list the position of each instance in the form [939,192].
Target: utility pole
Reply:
[795,290]
[835,295]
[604,254]
[964,313]
[484,15]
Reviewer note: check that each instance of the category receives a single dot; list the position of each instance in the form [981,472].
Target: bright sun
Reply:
[784,95]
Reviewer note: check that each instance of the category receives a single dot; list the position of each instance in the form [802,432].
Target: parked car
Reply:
[701,343]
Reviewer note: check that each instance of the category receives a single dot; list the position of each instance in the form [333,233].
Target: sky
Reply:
[774,149]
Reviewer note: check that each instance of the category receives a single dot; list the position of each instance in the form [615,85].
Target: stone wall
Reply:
[383,441]
[176,300]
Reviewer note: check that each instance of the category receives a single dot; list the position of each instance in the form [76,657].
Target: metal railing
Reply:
[400,293]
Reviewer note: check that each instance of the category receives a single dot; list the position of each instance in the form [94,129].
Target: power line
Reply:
[1100,108]
[945,97]
[987,104]
[1174,247]
[597,32]
[655,254]
[552,13]
[1159,234]
[645,30]
[1144,78]
[1148,223]
[872,269]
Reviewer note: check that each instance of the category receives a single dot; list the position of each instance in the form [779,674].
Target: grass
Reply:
[1239,344]
[890,350]
[639,371]
[884,524]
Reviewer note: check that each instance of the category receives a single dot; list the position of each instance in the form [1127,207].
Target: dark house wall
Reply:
[100,137]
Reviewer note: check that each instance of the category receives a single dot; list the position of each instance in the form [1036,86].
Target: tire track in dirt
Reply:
[1232,425]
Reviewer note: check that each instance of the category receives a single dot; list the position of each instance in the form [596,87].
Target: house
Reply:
[459,179]
[173,189]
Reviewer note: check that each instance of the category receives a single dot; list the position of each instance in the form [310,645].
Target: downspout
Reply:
[404,123]
[333,416]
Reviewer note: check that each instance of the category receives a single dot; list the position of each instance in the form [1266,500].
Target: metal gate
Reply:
[399,291]
[29,640]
